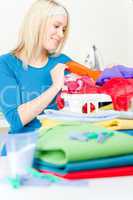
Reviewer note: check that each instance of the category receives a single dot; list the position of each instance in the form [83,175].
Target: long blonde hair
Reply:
[33,28]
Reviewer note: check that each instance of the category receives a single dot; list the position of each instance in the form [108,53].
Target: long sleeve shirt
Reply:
[19,85]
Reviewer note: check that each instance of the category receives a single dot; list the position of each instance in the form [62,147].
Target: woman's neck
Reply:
[38,62]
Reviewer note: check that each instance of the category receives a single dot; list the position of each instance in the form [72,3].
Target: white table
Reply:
[97,189]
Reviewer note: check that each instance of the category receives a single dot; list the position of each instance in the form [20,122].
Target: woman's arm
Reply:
[16,113]
[28,111]
[31,109]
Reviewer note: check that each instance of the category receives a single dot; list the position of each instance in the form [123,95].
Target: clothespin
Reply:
[78,136]
[83,136]
[91,135]
[103,136]
[49,177]
[14,182]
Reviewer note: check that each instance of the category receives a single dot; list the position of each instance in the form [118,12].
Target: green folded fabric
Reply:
[55,145]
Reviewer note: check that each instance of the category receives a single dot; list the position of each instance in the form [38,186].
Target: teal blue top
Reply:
[19,85]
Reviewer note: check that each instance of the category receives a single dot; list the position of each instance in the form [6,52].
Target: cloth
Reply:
[126,114]
[55,145]
[47,123]
[107,107]
[128,131]
[124,122]
[121,97]
[99,173]
[68,116]
[116,71]
[85,165]
[82,70]
[82,85]
[117,124]
[19,85]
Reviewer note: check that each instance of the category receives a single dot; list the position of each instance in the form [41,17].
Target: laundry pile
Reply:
[76,150]
[94,145]
[117,82]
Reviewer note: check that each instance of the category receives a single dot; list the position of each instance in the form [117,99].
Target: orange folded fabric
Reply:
[82,70]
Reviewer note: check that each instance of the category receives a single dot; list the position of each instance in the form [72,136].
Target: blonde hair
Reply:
[33,28]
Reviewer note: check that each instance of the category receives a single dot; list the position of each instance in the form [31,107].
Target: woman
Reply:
[33,73]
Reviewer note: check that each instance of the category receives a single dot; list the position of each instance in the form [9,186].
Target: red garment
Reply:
[99,173]
[60,102]
[121,91]
[83,85]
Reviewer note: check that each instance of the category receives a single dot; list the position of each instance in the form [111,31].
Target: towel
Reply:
[70,116]
[82,70]
[85,165]
[56,146]
[117,124]
[100,173]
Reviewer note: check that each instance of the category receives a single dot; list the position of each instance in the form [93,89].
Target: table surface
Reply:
[96,189]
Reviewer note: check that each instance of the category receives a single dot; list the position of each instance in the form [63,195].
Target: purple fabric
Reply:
[116,71]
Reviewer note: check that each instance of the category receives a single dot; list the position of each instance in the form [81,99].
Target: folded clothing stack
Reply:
[83,150]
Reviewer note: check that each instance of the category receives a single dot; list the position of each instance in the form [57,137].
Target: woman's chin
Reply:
[52,49]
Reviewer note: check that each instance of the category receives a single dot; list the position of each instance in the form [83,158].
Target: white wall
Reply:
[106,23]
[129,38]
[11,15]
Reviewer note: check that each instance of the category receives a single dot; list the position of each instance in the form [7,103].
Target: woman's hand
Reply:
[57,74]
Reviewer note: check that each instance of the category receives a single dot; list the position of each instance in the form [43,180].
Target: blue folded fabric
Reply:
[91,117]
[128,131]
[125,114]
[86,165]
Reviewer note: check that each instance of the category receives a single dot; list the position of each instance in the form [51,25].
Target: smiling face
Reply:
[54,32]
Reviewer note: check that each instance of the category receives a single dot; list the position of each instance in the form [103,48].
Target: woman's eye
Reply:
[56,26]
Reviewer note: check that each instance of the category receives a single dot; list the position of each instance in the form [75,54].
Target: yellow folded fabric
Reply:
[107,107]
[114,124]
[117,124]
